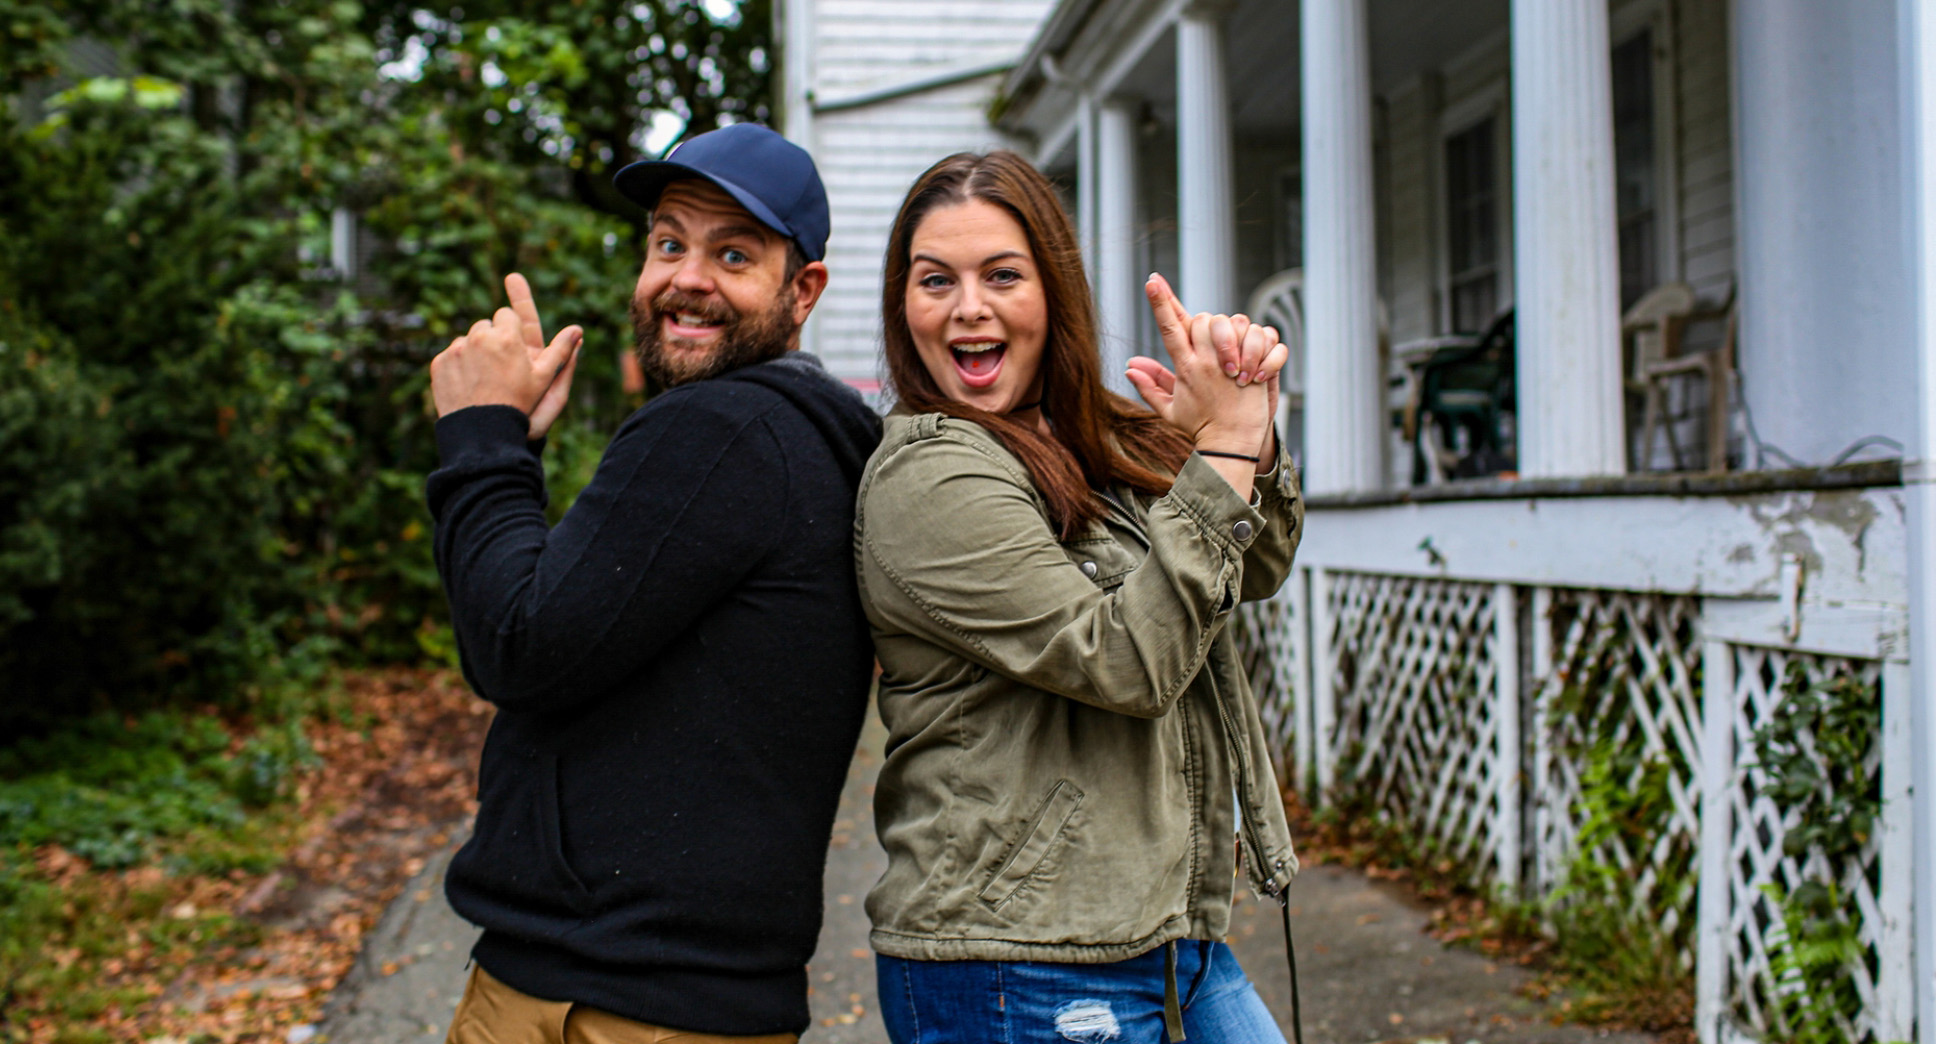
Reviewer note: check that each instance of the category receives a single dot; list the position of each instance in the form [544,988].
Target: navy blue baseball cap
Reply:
[774,179]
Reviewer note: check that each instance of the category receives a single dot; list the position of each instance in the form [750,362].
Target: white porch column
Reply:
[1086,181]
[1820,161]
[1919,482]
[1343,438]
[795,28]
[1119,286]
[1565,248]
[1206,206]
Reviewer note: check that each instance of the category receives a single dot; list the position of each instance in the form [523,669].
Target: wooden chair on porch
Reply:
[1654,335]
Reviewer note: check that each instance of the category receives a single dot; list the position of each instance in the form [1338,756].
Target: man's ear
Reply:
[808,284]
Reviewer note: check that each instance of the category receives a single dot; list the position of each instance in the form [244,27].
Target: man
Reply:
[680,666]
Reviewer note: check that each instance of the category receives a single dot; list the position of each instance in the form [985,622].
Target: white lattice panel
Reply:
[1756,859]
[1264,638]
[1414,677]
[1625,681]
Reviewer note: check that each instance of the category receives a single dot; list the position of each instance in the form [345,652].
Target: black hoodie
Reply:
[680,669]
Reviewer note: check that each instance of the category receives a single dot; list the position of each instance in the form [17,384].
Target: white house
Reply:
[1504,234]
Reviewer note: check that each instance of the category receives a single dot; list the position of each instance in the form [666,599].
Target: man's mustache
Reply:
[711,310]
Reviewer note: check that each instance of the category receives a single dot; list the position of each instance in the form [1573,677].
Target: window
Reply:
[1636,175]
[1472,226]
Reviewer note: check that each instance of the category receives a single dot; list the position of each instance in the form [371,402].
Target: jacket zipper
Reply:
[1253,835]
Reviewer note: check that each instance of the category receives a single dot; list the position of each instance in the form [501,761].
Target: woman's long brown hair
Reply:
[1099,436]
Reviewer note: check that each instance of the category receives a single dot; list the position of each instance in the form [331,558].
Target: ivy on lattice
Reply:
[1619,782]
[1813,754]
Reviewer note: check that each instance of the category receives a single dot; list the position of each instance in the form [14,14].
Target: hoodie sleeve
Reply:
[682,506]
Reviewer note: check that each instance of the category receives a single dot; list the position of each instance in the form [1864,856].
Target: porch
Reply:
[1439,169]
[1484,662]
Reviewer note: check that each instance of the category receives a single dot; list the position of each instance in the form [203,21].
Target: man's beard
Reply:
[743,339]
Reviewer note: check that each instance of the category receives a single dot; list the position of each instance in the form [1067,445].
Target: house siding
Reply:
[868,44]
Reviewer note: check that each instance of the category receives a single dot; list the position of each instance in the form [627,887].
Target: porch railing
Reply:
[1545,735]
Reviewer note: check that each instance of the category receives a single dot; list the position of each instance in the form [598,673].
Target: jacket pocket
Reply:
[513,869]
[1042,833]
[552,837]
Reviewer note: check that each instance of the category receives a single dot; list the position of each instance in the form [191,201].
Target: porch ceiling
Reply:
[1261,44]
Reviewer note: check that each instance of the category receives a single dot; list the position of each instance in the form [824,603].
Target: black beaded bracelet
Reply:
[1232,456]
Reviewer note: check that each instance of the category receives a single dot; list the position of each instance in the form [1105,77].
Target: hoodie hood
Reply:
[842,417]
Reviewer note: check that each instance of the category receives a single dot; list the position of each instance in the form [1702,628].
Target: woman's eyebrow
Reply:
[985,262]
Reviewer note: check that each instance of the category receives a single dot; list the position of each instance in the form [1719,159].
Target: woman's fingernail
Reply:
[1230,369]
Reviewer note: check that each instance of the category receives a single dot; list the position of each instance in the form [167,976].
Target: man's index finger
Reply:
[519,291]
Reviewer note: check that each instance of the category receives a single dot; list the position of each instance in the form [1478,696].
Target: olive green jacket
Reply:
[1066,721]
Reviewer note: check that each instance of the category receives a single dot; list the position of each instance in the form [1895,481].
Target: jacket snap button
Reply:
[1241,530]
[1089,570]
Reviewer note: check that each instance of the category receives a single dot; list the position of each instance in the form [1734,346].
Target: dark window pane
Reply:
[1472,226]
[1635,177]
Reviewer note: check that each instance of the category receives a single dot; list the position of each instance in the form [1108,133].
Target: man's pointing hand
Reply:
[503,361]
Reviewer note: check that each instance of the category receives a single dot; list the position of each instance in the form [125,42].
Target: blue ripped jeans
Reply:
[1034,1002]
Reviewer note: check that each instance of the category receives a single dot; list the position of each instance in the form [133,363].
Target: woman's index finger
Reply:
[1172,322]
[519,291]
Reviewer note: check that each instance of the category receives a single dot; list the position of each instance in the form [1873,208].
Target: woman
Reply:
[1049,571]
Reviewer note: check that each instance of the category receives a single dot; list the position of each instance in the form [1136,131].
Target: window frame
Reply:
[1493,101]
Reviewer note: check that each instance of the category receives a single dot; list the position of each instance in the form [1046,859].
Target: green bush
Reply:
[212,447]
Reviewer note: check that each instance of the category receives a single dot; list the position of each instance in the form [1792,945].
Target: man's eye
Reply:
[734,257]
[669,246]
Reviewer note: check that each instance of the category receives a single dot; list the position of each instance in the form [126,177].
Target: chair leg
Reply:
[1717,417]
[1435,454]
[1650,414]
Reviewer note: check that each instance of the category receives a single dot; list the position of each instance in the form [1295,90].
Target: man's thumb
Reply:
[558,352]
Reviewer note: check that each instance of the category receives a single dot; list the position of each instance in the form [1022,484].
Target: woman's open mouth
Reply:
[978,362]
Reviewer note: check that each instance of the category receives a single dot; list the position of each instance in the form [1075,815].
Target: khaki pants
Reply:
[493,1013]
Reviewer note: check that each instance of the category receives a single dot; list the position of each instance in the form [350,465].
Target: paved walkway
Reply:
[1368,971]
